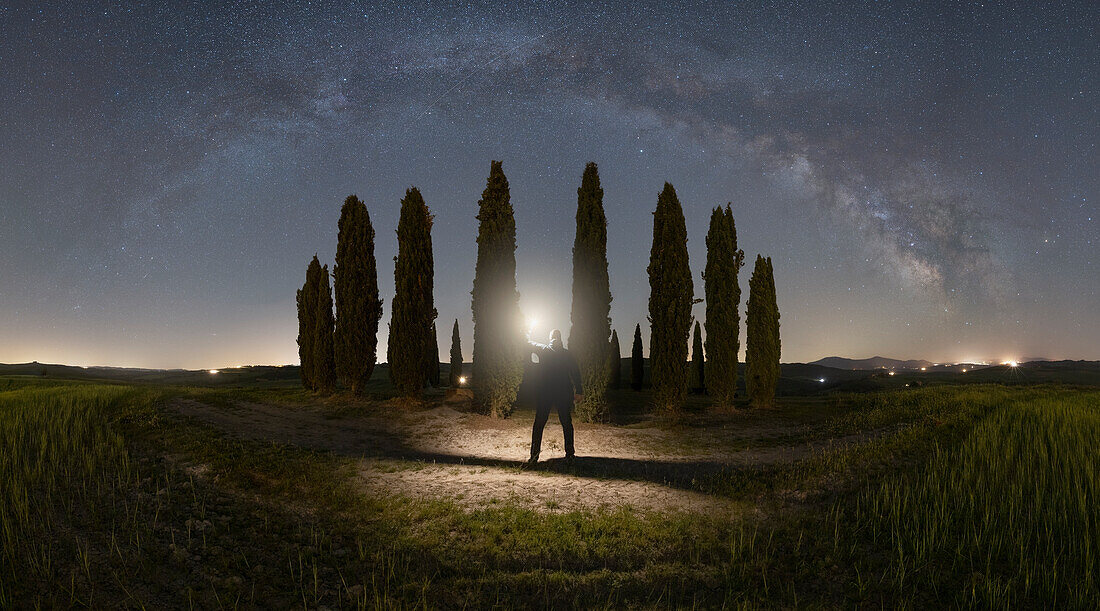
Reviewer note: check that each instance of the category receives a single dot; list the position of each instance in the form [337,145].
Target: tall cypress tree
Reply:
[698,375]
[588,336]
[498,368]
[413,313]
[637,361]
[431,359]
[615,361]
[670,300]
[307,322]
[723,298]
[773,327]
[456,357]
[358,306]
[762,341]
[324,358]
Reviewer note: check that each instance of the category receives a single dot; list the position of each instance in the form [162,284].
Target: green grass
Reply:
[975,496]
[1005,518]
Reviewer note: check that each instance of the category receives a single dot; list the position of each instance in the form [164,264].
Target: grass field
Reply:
[947,496]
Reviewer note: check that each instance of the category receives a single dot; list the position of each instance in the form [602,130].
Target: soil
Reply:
[477,461]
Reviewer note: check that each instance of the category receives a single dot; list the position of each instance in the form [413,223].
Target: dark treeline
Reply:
[412,322]
[343,346]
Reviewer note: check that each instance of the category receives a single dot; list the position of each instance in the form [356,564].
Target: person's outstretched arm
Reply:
[535,347]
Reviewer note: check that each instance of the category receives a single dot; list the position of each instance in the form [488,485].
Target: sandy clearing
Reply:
[474,460]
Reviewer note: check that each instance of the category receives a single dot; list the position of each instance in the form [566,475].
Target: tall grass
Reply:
[59,463]
[1007,517]
[954,497]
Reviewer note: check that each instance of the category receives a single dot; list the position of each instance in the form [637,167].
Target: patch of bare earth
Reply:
[474,460]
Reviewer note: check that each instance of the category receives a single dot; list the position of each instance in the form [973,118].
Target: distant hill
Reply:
[234,376]
[875,362]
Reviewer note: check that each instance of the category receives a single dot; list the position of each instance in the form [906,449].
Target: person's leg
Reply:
[542,413]
[565,415]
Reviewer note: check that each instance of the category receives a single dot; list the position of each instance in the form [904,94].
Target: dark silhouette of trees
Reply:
[345,345]
[637,362]
[307,321]
[698,375]
[431,362]
[324,357]
[762,341]
[723,299]
[413,312]
[588,336]
[358,306]
[614,362]
[456,357]
[670,301]
[497,368]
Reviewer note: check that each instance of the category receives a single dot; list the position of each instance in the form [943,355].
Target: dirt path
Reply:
[475,460]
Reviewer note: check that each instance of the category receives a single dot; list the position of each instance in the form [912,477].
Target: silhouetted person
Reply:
[558,387]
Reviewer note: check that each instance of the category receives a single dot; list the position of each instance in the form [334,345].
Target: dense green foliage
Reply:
[637,361]
[413,312]
[324,356]
[431,359]
[355,288]
[698,368]
[723,299]
[591,323]
[307,322]
[670,298]
[762,336]
[456,357]
[498,326]
[615,362]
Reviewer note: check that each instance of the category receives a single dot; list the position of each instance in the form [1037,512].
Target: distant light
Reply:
[1011,363]
[924,369]
[822,380]
[891,373]
[461,380]
[964,371]
[213,372]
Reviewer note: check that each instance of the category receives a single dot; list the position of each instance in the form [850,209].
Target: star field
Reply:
[924,175]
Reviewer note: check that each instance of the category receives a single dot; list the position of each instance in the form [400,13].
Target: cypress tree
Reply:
[324,358]
[773,327]
[307,321]
[456,357]
[723,298]
[762,341]
[431,359]
[698,376]
[670,300]
[637,362]
[303,338]
[358,306]
[615,362]
[498,368]
[413,312]
[588,336]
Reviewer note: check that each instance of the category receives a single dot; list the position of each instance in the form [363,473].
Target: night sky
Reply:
[925,177]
